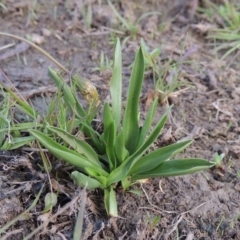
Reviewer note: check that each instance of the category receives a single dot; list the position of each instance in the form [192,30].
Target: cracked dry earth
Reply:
[204,205]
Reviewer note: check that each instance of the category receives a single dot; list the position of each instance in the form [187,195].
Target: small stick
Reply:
[37,48]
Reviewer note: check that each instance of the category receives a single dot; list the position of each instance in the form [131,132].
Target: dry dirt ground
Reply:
[204,205]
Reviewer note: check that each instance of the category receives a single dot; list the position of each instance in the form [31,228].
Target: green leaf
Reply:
[70,99]
[92,135]
[61,152]
[110,141]
[107,120]
[4,125]
[126,182]
[21,126]
[136,191]
[116,85]
[110,202]
[147,123]
[84,181]
[175,168]
[50,201]
[78,145]
[130,121]
[150,139]
[16,143]
[119,173]
[118,15]
[120,150]
[22,104]
[101,176]
[155,158]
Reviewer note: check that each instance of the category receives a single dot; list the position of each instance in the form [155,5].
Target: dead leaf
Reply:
[203,28]
[149,98]
[167,135]
[59,187]
[46,32]
[36,38]
[44,217]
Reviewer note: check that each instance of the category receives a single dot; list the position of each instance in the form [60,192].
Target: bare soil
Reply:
[204,205]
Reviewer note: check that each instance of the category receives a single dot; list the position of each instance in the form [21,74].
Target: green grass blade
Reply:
[116,85]
[17,143]
[123,21]
[155,158]
[175,168]
[147,124]
[22,126]
[22,105]
[78,229]
[69,97]
[4,124]
[130,121]
[78,145]
[231,50]
[21,216]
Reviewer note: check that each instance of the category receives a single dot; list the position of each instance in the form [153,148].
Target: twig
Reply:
[174,226]
[60,211]
[7,46]
[30,93]
[153,204]
[37,48]
[5,237]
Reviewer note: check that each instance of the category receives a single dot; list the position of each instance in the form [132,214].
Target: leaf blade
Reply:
[130,121]
[116,85]
[64,153]
[84,181]
[78,145]
[175,168]
[157,157]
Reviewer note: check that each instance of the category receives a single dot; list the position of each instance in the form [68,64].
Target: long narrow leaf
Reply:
[119,173]
[107,120]
[17,143]
[120,150]
[150,139]
[4,124]
[69,97]
[22,126]
[130,121]
[116,85]
[110,141]
[122,171]
[22,105]
[175,168]
[61,152]
[155,158]
[147,123]
[101,176]
[78,145]
[110,202]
